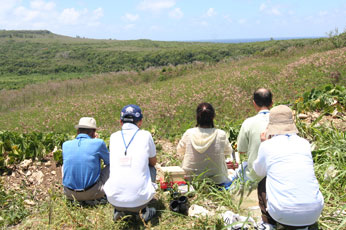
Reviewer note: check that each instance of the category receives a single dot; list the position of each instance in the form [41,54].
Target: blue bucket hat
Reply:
[131,113]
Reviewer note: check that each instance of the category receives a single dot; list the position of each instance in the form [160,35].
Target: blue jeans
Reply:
[152,170]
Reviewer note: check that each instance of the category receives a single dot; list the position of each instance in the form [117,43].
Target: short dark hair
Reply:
[86,131]
[263,97]
[205,114]
[130,119]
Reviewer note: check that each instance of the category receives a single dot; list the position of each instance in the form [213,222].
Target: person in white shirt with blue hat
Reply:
[131,184]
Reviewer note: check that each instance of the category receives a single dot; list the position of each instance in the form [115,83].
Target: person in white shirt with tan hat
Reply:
[83,178]
[292,195]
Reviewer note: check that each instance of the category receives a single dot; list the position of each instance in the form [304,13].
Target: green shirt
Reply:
[249,140]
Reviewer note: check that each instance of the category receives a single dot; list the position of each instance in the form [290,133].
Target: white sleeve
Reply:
[152,148]
[259,165]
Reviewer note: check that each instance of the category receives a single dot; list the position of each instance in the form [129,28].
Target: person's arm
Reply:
[104,153]
[152,161]
[228,147]
[152,152]
[181,147]
[259,165]
[243,140]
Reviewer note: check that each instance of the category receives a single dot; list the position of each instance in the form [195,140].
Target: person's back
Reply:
[81,160]
[130,181]
[204,148]
[249,140]
[294,191]
[291,196]
[131,184]
[83,178]
[205,153]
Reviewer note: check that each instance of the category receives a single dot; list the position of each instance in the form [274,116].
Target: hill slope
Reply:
[27,57]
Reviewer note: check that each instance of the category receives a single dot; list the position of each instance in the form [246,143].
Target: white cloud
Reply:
[275,11]
[204,23]
[129,26]
[176,13]
[228,19]
[154,28]
[156,5]
[25,14]
[242,21]
[42,5]
[269,9]
[98,13]
[70,16]
[211,12]
[323,13]
[262,7]
[130,17]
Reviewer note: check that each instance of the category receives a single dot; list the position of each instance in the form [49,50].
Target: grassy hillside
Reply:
[28,57]
[168,96]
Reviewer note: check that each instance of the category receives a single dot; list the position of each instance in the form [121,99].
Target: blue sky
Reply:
[176,19]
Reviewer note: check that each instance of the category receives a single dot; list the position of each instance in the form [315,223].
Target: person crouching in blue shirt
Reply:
[83,178]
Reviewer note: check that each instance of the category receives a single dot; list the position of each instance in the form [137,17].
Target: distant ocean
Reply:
[247,40]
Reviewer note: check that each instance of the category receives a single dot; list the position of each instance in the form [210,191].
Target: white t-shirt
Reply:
[129,184]
[293,195]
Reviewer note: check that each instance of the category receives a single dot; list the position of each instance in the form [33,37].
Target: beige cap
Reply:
[281,121]
[86,123]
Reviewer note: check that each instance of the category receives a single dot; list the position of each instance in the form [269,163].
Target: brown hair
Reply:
[90,132]
[205,114]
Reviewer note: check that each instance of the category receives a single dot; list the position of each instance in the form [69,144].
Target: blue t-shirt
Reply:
[81,161]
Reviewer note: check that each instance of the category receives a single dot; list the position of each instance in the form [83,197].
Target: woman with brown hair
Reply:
[204,148]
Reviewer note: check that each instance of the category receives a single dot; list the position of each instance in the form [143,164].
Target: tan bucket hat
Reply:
[281,121]
[86,123]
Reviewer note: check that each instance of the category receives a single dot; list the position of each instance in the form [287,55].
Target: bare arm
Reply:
[152,161]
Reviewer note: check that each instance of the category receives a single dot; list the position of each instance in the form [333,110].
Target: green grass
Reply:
[28,57]
[168,97]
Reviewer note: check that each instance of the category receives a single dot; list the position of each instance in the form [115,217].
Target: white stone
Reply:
[53,172]
[37,177]
[302,116]
[25,164]
[29,202]
[48,163]
[196,210]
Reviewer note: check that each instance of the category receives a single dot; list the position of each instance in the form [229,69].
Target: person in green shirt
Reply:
[249,140]
[249,136]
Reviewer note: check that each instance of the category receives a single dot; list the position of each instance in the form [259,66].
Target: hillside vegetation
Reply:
[34,118]
[28,57]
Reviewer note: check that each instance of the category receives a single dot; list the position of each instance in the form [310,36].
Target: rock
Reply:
[37,177]
[13,174]
[237,221]
[29,202]
[48,163]
[39,163]
[28,173]
[330,173]
[302,116]
[196,210]
[53,172]
[25,164]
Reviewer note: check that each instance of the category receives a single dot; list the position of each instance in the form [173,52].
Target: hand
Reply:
[263,136]
[96,135]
